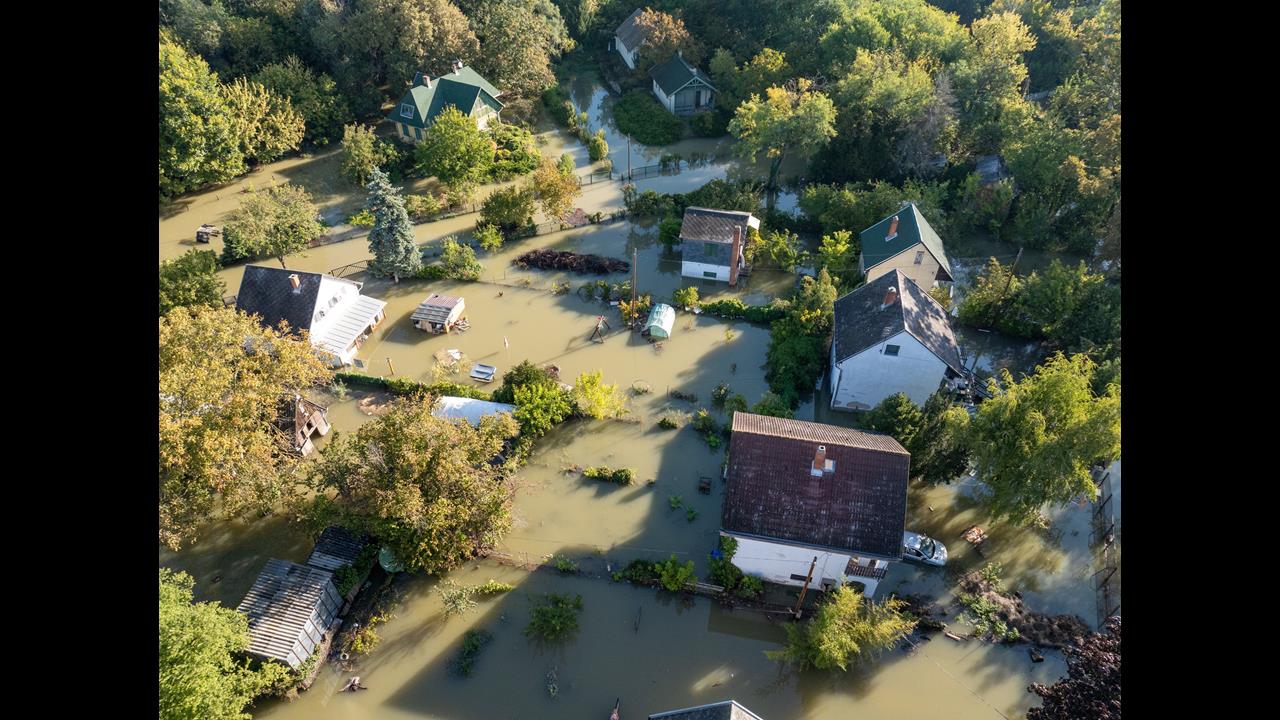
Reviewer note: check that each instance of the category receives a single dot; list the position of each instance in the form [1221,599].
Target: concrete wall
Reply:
[776,562]
[862,381]
[628,55]
[696,270]
[925,274]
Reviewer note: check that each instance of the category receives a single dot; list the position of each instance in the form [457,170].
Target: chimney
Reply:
[457,67]
[819,462]
[295,281]
[735,255]
[426,80]
[893,229]
[680,53]
[890,297]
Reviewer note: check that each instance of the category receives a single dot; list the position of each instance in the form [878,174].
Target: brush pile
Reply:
[546,259]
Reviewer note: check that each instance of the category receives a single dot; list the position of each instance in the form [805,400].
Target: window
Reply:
[919,257]
[404,129]
[417,133]
[801,578]
[406,110]
[709,274]
[891,349]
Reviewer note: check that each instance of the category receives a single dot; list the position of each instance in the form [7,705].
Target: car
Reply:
[917,547]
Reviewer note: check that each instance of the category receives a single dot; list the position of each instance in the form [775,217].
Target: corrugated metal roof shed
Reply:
[436,308]
[335,548]
[661,318]
[469,409]
[726,710]
[290,608]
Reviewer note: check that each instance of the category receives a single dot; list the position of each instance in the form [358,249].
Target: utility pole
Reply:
[633,277]
[805,589]
[1000,303]
[628,157]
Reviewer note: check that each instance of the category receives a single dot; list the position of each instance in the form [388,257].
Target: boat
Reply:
[483,373]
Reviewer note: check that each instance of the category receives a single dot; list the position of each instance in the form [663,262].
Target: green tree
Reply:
[266,125]
[793,119]
[837,252]
[555,190]
[391,240]
[362,153]
[520,39]
[273,223]
[218,406]
[773,405]
[895,415]
[387,41]
[524,373]
[669,231]
[540,407]
[845,629]
[198,142]
[781,249]
[422,484]
[312,94]
[597,146]
[566,165]
[767,69]
[489,237]
[594,399]
[724,73]
[797,341]
[201,672]
[515,151]
[685,297]
[1034,442]
[939,449]
[664,35]
[990,76]
[509,209]
[454,149]
[190,279]
[459,261]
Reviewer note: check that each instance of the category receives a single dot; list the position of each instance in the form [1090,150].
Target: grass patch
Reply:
[472,643]
[639,115]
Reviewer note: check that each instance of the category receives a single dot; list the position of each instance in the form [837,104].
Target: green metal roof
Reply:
[463,89]
[912,229]
[675,73]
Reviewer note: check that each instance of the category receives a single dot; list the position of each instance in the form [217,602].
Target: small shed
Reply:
[206,232]
[335,549]
[469,409]
[661,319]
[439,313]
[305,420]
[291,609]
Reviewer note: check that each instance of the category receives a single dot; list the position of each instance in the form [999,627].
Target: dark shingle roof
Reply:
[675,73]
[463,89]
[714,225]
[860,323]
[860,506]
[726,710]
[630,33]
[335,548]
[266,291]
[912,229]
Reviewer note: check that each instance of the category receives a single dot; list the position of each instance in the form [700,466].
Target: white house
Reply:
[628,38]
[803,496]
[336,316]
[889,336]
[711,243]
[682,88]
[904,241]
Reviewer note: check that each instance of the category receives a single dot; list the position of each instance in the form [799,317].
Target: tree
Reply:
[524,373]
[1034,442]
[579,15]
[797,341]
[597,147]
[362,153]
[273,223]
[454,149]
[459,261]
[593,399]
[836,253]
[939,449]
[845,629]
[773,405]
[990,76]
[767,69]
[190,279]
[391,240]
[781,249]
[540,407]
[201,675]
[223,379]
[509,209]
[266,125]
[566,165]
[520,39]
[932,134]
[895,415]
[792,119]
[489,237]
[669,231]
[324,111]
[1092,686]
[387,41]
[515,151]
[664,35]
[724,73]
[423,485]
[555,190]
[198,143]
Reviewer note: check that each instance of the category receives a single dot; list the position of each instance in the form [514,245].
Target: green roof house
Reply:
[904,241]
[462,88]
[682,88]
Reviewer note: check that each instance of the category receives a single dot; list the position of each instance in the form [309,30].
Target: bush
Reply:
[564,565]
[597,147]
[472,643]
[639,115]
[709,124]
[737,403]
[361,218]
[422,207]
[666,423]
[673,575]
[524,373]
[555,619]
[509,209]
[638,571]
[516,152]
[489,237]
[750,587]
[773,405]
[669,231]
[845,628]
[735,309]
[404,386]
[348,575]
[621,476]
[720,393]
[686,297]
[723,572]
[566,165]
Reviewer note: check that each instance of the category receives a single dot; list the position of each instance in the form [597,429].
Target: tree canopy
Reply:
[395,251]
[788,119]
[845,629]
[190,279]
[275,222]
[198,142]
[454,149]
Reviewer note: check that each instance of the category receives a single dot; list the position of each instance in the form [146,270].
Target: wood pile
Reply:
[547,259]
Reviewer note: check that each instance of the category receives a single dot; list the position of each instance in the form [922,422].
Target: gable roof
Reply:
[436,308]
[462,88]
[725,710]
[710,225]
[860,323]
[336,548]
[266,291]
[630,33]
[675,73]
[912,229]
[859,506]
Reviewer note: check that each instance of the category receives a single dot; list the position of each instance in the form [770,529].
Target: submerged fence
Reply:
[1105,535]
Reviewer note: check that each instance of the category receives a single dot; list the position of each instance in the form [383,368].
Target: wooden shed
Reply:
[336,548]
[291,609]
[304,419]
[439,313]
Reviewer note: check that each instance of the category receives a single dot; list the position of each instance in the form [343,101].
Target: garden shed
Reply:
[661,319]
[439,313]
[336,548]
[469,409]
[291,609]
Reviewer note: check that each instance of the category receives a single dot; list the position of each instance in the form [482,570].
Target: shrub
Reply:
[348,575]
[709,124]
[685,297]
[723,572]
[750,587]
[555,618]
[691,515]
[597,147]
[458,262]
[489,237]
[847,627]
[404,386]
[565,165]
[639,115]
[422,207]
[669,232]
[666,423]
[675,501]
[509,209]
[735,309]
[773,405]
[638,571]
[737,403]
[673,575]
[564,565]
[524,373]
[621,476]
[361,218]
[472,643]
[516,152]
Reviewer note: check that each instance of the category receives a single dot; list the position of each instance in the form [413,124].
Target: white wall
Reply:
[628,56]
[871,376]
[777,562]
[330,287]
[667,102]
[696,270]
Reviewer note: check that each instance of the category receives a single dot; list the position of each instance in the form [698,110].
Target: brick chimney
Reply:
[890,297]
[734,255]
[819,462]
[893,229]
[295,281]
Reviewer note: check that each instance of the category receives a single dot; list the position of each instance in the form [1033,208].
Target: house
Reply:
[469,409]
[463,88]
[890,336]
[335,549]
[336,316]
[304,420]
[438,313]
[904,241]
[805,497]
[726,710]
[709,238]
[682,88]
[292,611]
[628,38]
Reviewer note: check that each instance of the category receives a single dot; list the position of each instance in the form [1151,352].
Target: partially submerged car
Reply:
[922,548]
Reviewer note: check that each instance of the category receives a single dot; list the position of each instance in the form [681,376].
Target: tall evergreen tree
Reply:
[391,239]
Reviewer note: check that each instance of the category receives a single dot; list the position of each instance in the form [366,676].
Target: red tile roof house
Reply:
[799,491]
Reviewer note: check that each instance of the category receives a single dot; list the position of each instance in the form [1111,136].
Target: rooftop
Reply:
[708,225]
[461,87]
[630,32]
[675,73]
[725,710]
[879,245]
[269,293]
[861,322]
[290,607]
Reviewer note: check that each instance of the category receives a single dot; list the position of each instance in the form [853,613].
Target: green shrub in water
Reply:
[472,643]
[673,575]
[555,618]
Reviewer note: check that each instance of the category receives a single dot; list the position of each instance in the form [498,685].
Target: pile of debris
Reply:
[1054,631]
[546,259]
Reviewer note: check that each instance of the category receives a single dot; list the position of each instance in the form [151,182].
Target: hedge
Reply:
[403,386]
[735,309]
